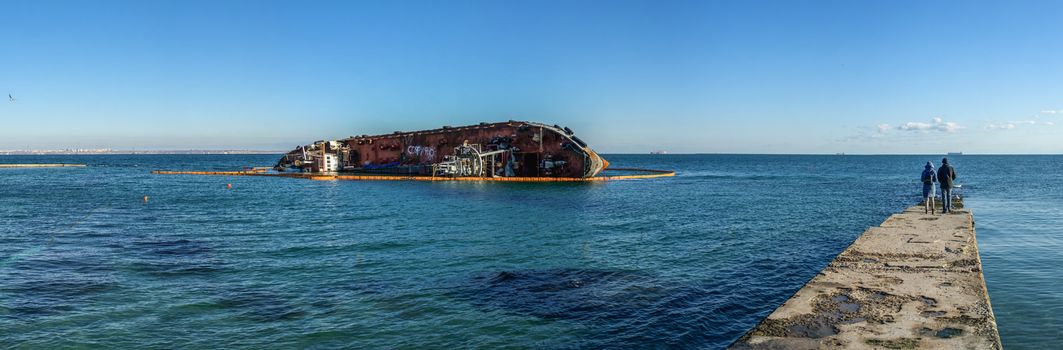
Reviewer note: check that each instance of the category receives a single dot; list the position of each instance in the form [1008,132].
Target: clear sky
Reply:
[703,76]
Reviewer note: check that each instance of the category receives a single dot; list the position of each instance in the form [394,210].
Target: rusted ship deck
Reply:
[511,149]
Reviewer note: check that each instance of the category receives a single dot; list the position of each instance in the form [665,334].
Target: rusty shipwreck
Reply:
[488,150]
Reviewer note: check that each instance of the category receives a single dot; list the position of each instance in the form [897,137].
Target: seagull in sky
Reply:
[10,98]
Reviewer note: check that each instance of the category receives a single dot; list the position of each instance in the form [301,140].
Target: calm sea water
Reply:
[689,261]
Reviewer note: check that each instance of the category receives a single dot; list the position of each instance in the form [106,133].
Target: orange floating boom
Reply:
[646,174]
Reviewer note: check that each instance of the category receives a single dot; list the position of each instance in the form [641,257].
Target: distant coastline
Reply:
[105,151]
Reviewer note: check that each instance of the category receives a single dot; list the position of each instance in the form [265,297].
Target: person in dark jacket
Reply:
[946,176]
[929,177]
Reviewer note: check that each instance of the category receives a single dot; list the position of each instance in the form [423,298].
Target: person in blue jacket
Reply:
[946,176]
[928,178]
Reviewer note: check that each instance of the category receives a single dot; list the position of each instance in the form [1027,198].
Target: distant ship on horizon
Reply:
[955,153]
[659,152]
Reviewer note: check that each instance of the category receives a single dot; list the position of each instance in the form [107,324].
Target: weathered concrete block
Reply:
[915,282]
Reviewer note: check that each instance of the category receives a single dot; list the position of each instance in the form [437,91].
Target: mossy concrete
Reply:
[914,282]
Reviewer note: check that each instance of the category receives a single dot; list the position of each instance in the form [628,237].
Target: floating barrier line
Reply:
[648,174]
[38,165]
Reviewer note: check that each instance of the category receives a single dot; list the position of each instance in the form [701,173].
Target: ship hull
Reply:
[505,149]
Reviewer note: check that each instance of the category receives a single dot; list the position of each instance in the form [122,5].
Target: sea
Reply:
[112,256]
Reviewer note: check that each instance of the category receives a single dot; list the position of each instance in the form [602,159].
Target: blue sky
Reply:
[628,76]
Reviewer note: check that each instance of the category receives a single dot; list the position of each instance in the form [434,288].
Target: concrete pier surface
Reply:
[60,165]
[914,282]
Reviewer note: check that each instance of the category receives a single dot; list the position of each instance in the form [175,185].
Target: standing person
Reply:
[928,187]
[945,177]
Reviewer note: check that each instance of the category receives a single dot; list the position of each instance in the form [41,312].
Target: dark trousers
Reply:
[946,199]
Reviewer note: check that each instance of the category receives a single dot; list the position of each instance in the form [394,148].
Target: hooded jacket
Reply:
[928,173]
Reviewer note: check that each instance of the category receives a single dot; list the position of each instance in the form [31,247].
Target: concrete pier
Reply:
[41,165]
[914,282]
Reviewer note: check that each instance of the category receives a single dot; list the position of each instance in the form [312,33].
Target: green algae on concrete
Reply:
[914,282]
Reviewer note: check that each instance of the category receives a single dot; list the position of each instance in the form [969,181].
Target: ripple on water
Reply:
[686,262]
[31,294]
[634,307]
[171,257]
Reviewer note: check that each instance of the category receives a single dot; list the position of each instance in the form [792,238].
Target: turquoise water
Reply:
[689,261]
[1019,219]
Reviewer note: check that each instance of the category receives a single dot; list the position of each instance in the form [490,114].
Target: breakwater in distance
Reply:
[42,165]
[913,282]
